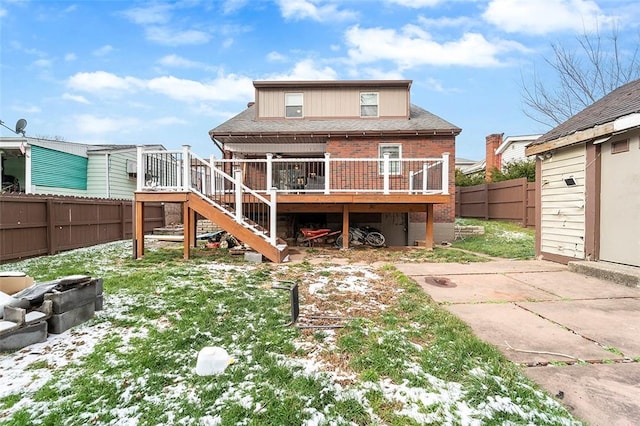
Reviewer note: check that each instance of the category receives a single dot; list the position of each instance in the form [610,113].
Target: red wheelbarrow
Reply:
[310,235]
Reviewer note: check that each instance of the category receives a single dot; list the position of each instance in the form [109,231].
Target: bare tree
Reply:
[594,68]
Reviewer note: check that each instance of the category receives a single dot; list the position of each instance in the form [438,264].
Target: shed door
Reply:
[620,202]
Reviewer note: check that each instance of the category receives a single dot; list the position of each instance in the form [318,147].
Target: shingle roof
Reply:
[246,123]
[622,101]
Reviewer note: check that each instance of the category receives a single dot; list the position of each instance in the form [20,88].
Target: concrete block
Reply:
[67,300]
[99,302]
[99,286]
[24,336]
[59,323]
[253,257]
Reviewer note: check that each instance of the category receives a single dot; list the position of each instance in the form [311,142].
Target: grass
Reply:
[501,239]
[399,360]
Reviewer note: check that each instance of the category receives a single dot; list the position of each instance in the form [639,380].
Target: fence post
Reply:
[445,173]
[269,183]
[51,232]
[237,177]
[186,167]
[486,201]
[525,201]
[385,170]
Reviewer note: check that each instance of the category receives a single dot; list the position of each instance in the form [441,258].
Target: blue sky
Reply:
[157,72]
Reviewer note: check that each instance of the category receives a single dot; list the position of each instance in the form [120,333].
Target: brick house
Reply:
[335,153]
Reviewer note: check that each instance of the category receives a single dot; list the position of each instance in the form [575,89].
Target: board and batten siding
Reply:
[52,170]
[332,102]
[562,207]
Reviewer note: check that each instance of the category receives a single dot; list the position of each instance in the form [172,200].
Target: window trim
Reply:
[377,104]
[287,104]
[393,171]
[620,146]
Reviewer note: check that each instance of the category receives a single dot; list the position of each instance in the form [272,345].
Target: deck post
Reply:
[269,183]
[237,177]
[428,240]
[212,184]
[139,229]
[445,173]
[273,216]
[139,168]
[345,226]
[186,229]
[385,169]
[327,173]
[186,167]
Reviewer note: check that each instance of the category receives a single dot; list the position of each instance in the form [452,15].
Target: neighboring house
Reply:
[42,166]
[336,153]
[500,152]
[463,163]
[587,174]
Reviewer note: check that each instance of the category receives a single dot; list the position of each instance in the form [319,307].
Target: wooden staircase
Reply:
[248,232]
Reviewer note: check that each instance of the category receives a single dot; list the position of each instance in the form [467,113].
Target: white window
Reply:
[368,104]
[293,105]
[395,154]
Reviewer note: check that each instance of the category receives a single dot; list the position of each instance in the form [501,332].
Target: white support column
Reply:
[425,181]
[28,184]
[327,172]
[186,167]
[445,173]
[273,216]
[140,167]
[237,178]
[411,175]
[269,183]
[212,184]
[385,169]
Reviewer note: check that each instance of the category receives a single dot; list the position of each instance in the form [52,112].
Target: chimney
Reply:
[491,160]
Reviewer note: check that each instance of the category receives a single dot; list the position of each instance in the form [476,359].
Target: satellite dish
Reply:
[20,126]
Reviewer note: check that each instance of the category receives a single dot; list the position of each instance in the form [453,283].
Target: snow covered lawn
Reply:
[399,359]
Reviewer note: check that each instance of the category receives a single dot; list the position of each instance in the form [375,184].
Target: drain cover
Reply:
[440,282]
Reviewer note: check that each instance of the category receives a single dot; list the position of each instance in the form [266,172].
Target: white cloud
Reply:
[31,109]
[43,63]
[275,57]
[230,6]
[446,22]
[101,81]
[169,37]
[544,16]
[412,46]
[415,4]
[3,12]
[316,10]
[75,98]
[87,123]
[228,88]
[180,62]
[70,57]
[155,14]
[307,70]
[103,51]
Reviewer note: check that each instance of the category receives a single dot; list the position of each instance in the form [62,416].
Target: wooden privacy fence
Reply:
[512,200]
[34,225]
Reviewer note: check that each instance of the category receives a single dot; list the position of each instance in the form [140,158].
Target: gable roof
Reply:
[510,140]
[621,102]
[244,126]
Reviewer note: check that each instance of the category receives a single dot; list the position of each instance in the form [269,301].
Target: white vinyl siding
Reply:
[562,206]
[515,152]
[114,183]
[97,176]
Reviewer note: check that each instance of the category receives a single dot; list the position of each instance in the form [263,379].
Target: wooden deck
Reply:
[344,203]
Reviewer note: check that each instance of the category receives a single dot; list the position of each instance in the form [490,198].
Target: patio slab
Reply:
[494,267]
[480,288]
[573,285]
[610,322]
[507,324]
[602,394]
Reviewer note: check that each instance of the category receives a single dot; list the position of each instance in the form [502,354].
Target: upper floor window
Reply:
[368,104]
[293,105]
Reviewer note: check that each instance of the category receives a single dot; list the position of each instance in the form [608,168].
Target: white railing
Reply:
[164,171]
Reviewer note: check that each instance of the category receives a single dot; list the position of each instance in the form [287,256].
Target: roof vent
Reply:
[250,104]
